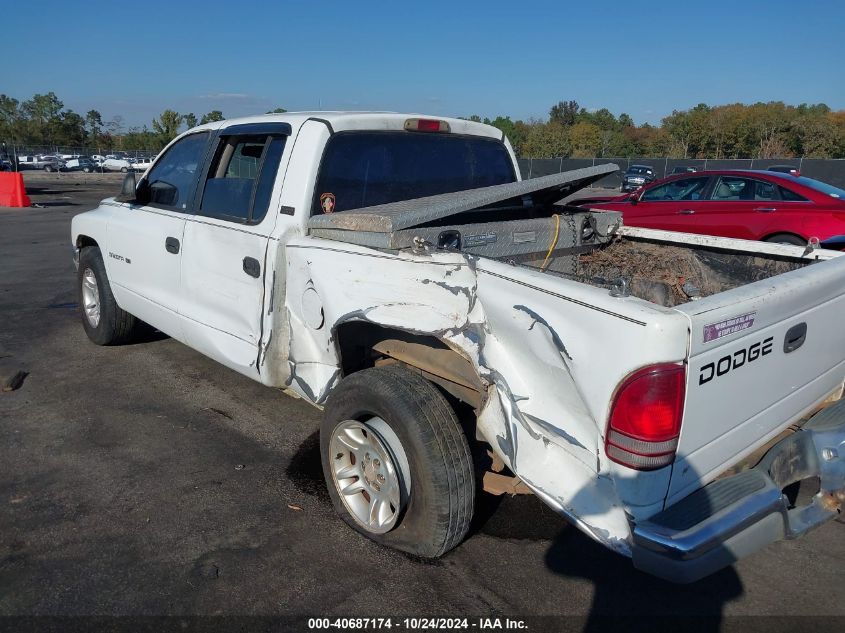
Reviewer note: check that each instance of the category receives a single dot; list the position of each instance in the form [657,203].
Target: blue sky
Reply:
[448,58]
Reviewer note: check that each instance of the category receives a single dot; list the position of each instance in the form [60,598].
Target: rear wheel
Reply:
[396,461]
[124,169]
[104,321]
[786,238]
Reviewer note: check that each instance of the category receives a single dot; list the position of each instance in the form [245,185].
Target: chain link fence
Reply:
[34,150]
[26,157]
[10,152]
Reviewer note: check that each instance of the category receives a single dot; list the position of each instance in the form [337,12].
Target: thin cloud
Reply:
[226,95]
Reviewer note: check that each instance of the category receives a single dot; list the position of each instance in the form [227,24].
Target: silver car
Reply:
[41,161]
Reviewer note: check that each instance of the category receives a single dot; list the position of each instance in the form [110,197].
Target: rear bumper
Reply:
[732,517]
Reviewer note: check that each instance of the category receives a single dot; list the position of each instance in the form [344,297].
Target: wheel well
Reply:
[83,240]
[778,233]
[362,345]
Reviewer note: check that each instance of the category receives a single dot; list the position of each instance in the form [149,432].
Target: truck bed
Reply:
[592,247]
[672,274]
[520,224]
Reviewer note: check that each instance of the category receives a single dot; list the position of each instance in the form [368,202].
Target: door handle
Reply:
[795,337]
[172,245]
[686,212]
[765,209]
[252,267]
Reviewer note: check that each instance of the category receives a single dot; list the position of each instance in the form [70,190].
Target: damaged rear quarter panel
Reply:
[428,294]
[561,348]
[550,351]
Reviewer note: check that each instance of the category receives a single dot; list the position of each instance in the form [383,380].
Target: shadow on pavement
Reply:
[623,597]
[620,591]
[306,471]
[147,334]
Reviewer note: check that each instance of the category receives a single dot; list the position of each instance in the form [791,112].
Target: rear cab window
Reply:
[241,176]
[362,169]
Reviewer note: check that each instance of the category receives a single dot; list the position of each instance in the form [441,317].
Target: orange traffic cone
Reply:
[12,191]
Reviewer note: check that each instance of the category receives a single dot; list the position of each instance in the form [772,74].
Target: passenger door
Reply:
[740,207]
[226,243]
[671,206]
[144,245]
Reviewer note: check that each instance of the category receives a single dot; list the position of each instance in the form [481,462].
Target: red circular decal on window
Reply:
[327,202]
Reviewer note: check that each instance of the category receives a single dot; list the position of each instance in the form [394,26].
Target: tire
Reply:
[47,168]
[786,238]
[430,454]
[87,170]
[123,170]
[112,325]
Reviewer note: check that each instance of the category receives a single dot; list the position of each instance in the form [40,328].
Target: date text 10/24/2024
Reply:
[416,624]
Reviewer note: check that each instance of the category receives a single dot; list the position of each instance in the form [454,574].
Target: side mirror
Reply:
[127,192]
[634,198]
[143,193]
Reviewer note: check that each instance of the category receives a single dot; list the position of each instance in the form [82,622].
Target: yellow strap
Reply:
[554,242]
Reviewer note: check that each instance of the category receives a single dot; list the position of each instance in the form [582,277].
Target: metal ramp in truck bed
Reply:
[386,225]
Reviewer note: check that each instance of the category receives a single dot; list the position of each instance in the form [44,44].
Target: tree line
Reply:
[43,121]
[759,130]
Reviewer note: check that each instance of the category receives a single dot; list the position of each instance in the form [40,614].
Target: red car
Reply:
[750,205]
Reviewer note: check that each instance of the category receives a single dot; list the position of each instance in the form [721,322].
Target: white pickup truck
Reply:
[677,397]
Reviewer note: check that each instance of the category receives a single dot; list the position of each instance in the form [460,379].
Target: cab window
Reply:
[362,169]
[240,178]
[682,189]
[172,177]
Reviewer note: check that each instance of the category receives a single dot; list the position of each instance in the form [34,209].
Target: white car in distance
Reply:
[142,164]
[117,164]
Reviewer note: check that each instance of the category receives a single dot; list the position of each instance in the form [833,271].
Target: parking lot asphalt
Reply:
[148,479]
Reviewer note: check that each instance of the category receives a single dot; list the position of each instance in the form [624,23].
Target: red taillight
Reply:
[426,125]
[645,417]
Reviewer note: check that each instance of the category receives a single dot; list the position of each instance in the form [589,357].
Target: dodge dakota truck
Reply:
[675,396]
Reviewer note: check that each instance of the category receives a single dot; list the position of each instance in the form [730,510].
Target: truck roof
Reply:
[341,121]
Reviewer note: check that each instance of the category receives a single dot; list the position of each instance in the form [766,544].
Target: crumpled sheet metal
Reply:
[534,414]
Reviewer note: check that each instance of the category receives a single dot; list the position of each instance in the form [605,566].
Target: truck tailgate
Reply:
[761,356]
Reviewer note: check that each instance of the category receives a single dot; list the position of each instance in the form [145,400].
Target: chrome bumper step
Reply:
[732,517]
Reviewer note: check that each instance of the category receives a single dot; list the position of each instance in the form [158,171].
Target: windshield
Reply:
[362,169]
[823,187]
[639,170]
